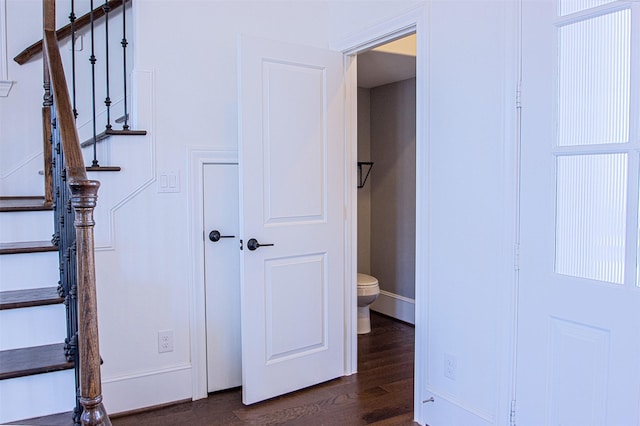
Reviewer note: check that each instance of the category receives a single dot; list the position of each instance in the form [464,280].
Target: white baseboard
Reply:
[395,306]
[147,389]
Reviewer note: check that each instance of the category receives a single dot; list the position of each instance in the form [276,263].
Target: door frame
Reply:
[198,158]
[410,22]
[413,20]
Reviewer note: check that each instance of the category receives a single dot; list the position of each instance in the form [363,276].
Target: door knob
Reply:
[215,236]
[253,244]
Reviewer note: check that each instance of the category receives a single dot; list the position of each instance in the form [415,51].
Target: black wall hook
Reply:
[362,181]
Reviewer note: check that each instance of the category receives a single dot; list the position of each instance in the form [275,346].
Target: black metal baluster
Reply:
[64,237]
[92,60]
[72,19]
[73,292]
[125,125]
[107,100]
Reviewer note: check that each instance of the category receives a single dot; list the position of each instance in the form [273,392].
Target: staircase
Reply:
[49,351]
[32,314]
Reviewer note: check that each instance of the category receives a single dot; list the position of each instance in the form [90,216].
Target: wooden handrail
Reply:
[64,111]
[84,193]
[36,48]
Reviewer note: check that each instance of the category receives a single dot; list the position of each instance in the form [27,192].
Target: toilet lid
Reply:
[365,280]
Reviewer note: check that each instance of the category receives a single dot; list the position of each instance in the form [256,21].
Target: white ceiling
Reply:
[391,62]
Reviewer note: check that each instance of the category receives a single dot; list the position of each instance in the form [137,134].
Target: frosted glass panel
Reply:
[590,216]
[570,6]
[593,80]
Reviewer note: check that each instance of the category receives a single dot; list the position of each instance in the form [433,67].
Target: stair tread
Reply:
[27,247]
[34,360]
[17,204]
[59,419]
[32,297]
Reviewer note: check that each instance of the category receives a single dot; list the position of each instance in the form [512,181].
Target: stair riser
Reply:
[47,394]
[26,226]
[28,270]
[34,326]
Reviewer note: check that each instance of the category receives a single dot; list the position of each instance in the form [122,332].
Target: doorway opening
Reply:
[386,195]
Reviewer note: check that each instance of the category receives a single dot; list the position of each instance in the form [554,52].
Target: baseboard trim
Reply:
[133,392]
[395,306]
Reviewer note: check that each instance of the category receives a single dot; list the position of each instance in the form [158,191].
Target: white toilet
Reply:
[368,291]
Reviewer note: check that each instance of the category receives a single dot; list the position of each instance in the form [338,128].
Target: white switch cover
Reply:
[168,182]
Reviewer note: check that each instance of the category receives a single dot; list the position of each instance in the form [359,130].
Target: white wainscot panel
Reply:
[579,365]
[295,127]
[296,306]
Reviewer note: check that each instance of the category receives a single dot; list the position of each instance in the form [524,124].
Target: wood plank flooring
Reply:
[381,393]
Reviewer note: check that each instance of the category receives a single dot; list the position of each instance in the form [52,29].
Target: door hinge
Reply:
[519,94]
[512,413]
[516,257]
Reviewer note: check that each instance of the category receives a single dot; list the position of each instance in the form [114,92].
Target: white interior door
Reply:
[292,186]
[579,298]
[222,276]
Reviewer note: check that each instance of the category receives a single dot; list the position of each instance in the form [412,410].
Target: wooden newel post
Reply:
[83,199]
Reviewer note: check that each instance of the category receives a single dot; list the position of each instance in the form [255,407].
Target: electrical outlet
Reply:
[450,366]
[165,341]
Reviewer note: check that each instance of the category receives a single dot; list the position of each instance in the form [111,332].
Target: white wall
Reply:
[185,80]
[184,95]
[471,212]
[20,132]
[465,203]
[186,61]
[349,17]
[20,116]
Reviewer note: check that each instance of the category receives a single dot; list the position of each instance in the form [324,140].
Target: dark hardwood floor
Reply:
[381,393]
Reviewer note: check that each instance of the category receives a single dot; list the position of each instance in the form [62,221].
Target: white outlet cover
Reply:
[165,341]
[450,366]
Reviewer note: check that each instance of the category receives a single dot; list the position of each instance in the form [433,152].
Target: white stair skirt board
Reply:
[395,306]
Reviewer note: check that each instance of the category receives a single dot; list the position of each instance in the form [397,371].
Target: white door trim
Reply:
[198,157]
[414,20]
[5,83]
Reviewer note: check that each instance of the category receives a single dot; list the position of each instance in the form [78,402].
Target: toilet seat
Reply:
[368,291]
[365,280]
[367,285]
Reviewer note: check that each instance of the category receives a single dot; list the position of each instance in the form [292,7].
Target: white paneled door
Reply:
[292,217]
[578,348]
[222,276]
